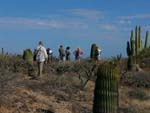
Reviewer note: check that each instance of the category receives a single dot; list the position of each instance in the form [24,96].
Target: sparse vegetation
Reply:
[66,86]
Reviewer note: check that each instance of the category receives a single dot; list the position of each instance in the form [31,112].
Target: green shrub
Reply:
[27,55]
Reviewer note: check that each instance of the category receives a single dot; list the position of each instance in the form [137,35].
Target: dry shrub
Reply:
[137,79]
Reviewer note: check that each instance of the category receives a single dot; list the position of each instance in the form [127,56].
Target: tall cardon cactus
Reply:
[106,90]
[134,47]
[146,40]
[131,52]
[138,40]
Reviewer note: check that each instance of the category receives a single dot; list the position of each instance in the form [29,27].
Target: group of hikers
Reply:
[64,54]
[42,55]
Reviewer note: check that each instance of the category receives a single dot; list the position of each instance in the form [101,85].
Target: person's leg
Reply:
[38,64]
[48,58]
[61,58]
[78,59]
[51,57]
[41,68]
[66,57]
[69,59]
[97,59]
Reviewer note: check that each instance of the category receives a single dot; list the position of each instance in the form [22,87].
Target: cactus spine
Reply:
[146,40]
[106,90]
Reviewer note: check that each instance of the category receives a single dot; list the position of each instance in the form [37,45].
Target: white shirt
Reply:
[41,54]
[50,51]
[99,51]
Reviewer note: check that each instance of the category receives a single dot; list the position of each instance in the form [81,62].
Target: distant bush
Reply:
[15,63]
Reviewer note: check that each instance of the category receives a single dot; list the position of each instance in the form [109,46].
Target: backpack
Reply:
[62,52]
[39,54]
[47,50]
[67,52]
[77,53]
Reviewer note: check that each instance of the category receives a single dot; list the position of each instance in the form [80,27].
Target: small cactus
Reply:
[27,55]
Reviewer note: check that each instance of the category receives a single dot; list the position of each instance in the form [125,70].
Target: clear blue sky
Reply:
[75,23]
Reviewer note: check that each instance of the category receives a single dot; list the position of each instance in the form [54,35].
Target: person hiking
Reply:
[68,53]
[61,53]
[97,54]
[50,54]
[78,52]
[41,57]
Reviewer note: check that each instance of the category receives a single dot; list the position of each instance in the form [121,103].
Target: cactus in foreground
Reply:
[27,55]
[106,90]
[93,50]
[146,40]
